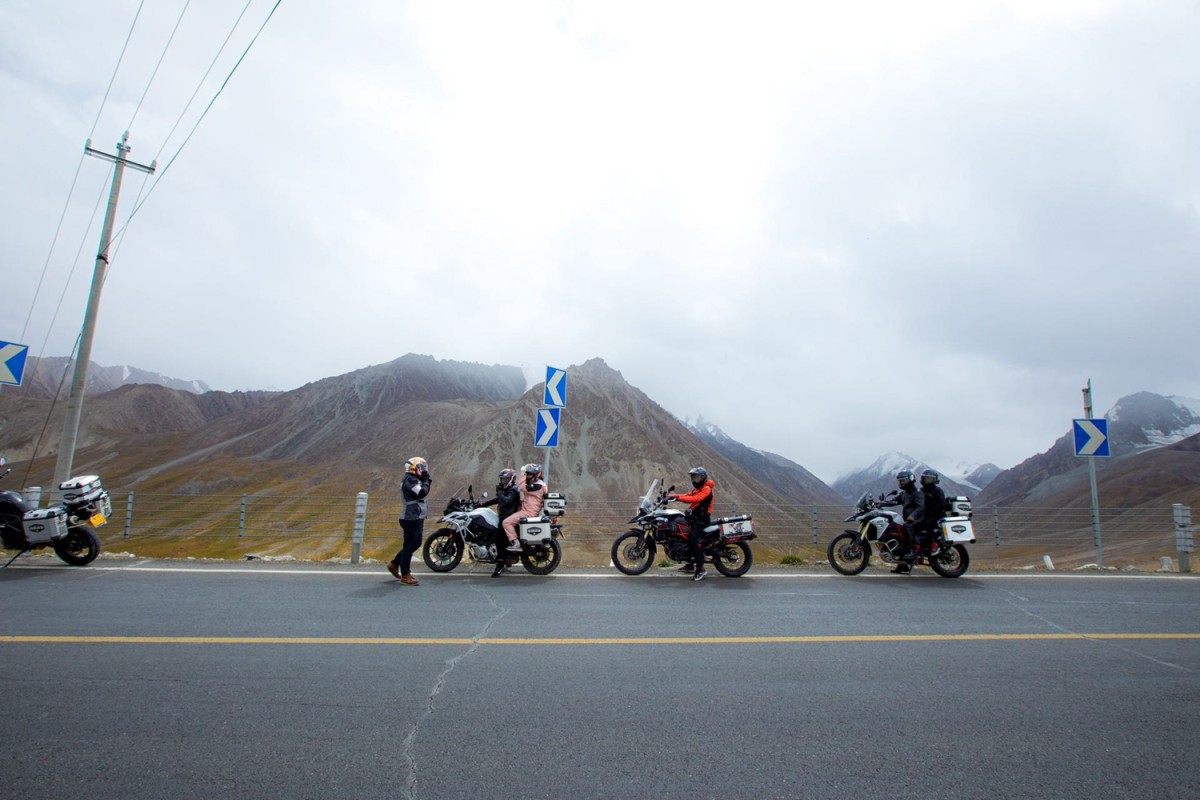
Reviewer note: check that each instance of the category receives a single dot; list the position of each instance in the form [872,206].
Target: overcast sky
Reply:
[834,230]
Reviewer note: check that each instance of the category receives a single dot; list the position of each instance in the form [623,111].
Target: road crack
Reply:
[1016,603]
[439,684]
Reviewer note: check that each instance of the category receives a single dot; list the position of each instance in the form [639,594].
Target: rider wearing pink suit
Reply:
[533,495]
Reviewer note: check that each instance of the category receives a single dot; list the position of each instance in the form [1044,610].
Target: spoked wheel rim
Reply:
[733,560]
[632,554]
[542,559]
[848,554]
[951,561]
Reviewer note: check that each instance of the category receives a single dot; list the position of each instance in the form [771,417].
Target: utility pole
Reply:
[66,449]
[1087,413]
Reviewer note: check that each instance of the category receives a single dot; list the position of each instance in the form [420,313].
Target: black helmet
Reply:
[929,478]
[532,471]
[699,476]
[905,478]
[506,479]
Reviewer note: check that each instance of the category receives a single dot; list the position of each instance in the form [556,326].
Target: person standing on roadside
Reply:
[414,490]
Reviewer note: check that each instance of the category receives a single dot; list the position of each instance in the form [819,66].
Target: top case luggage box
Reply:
[555,504]
[82,489]
[959,506]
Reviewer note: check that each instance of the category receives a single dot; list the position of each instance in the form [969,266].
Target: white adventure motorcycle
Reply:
[850,552]
[475,530]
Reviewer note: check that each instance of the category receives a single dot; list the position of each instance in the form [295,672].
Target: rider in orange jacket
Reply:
[700,502]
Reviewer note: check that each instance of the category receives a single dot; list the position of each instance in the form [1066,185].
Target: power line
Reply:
[162,56]
[146,179]
[207,108]
[75,179]
[111,80]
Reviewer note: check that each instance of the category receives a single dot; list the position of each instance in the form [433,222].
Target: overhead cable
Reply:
[188,138]
[75,179]
[162,56]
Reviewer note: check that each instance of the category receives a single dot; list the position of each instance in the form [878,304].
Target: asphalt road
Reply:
[166,680]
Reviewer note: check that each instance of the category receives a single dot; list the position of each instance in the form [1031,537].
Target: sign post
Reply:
[1091,442]
[554,396]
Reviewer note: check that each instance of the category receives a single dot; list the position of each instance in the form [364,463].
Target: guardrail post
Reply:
[1184,536]
[242,519]
[816,522]
[996,523]
[128,514]
[360,525]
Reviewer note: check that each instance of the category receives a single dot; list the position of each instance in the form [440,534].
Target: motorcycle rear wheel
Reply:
[848,555]
[951,561]
[542,559]
[733,560]
[443,550]
[79,547]
[632,554]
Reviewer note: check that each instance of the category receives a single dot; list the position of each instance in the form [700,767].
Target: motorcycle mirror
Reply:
[484,496]
[672,488]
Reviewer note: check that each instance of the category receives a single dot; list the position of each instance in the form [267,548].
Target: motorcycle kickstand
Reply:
[14,558]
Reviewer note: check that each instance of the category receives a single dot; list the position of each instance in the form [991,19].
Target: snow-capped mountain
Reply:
[1138,423]
[44,376]
[979,476]
[880,477]
[781,474]
[1150,420]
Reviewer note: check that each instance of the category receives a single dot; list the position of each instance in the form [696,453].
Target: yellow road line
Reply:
[260,640]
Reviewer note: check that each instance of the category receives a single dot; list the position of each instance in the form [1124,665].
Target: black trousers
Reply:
[414,532]
[695,539]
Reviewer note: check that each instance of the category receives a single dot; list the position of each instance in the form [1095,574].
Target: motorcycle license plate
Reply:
[97,520]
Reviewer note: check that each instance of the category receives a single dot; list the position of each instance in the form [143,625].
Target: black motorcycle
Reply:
[655,525]
[68,528]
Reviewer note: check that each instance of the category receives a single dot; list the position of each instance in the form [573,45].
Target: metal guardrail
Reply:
[314,527]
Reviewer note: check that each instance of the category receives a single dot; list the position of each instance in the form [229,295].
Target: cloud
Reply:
[835,231]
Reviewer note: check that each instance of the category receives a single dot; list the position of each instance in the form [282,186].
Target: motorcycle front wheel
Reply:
[632,553]
[951,562]
[443,550]
[80,546]
[542,559]
[848,554]
[733,560]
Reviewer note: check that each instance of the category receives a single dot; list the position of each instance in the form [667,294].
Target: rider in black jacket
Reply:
[912,502]
[507,501]
[935,506]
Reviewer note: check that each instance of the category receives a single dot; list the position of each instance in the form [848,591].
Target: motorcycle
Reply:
[850,552]
[654,525]
[474,530]
[69,528]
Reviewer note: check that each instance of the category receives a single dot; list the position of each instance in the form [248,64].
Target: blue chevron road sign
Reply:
[1091,437]
[547,427]
[12,363]
[556,388]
